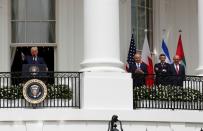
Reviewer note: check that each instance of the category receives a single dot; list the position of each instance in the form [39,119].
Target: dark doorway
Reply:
[46,52]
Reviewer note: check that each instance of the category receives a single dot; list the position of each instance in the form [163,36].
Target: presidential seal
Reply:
[34,91]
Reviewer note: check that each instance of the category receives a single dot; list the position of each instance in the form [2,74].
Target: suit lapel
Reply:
[174,69]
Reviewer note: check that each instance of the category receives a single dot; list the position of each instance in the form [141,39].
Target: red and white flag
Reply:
[147,59]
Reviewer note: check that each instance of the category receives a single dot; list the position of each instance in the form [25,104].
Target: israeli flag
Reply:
[165,51]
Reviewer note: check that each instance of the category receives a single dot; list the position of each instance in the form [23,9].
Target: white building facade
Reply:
[93,37]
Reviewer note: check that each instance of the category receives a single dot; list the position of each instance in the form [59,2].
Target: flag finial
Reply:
[133,31]
[164,32]
[145,30]
[180,31]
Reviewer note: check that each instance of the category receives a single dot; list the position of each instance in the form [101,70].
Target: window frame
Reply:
[28,44]
[148,22]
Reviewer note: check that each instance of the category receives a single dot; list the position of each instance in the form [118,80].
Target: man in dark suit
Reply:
[138,70]
[177,72]
[162,71]
[34,66]
[34,58]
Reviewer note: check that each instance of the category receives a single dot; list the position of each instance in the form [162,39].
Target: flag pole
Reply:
[164,47]
[147,59]
[145,30]
[133,34]
[164,33]
[133,31]
[179,50]
[180,31]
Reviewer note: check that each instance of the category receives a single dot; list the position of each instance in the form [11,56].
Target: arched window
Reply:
[141,19]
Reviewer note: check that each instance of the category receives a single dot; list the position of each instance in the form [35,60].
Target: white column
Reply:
[104,83]
[101,36]
[65,41]
[200,33]
[4,36]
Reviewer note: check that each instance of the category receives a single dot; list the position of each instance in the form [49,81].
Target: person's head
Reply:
[162,58]
[34,51]
[137,58]
[176,59]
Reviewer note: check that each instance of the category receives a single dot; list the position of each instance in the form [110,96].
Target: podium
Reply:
[34,70]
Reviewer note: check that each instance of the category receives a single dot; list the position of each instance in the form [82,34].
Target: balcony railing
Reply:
[63,90]
[170,92]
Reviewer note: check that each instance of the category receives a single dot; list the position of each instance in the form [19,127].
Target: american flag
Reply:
[131,53]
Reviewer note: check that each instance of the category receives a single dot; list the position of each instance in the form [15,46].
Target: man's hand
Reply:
[139,71]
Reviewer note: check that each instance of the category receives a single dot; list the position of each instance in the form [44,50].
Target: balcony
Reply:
[63,89]
[187,95]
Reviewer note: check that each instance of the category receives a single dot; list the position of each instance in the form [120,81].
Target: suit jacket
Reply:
[39,61]
[177,78]
[138,78]
[30,60]
[162,71]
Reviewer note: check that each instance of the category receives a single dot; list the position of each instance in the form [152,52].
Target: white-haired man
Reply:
[34,58]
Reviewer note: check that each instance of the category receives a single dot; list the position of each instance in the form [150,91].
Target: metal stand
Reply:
[113,124]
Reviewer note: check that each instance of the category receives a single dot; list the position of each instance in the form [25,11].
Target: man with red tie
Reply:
[177,72]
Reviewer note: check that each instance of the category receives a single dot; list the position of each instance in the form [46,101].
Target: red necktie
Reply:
[177,71]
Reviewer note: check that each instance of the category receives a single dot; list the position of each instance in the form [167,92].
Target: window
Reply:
[141,19]
[32,24]
[33,21]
